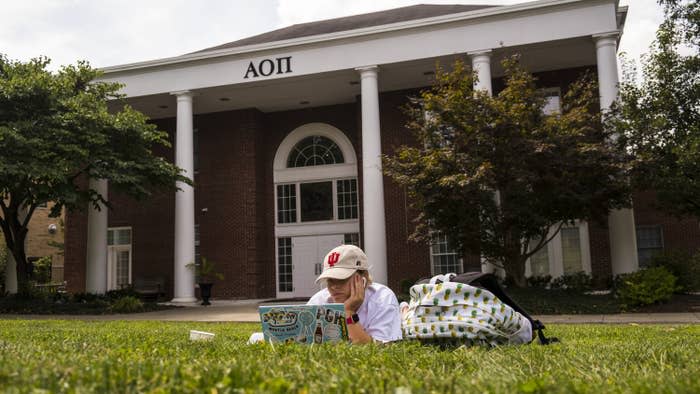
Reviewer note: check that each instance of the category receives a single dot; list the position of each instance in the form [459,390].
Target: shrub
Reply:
[539,281]
[683,266]
[579,281]
[647,286]
[86,298]
[41,272]
[113,295]
[127,304]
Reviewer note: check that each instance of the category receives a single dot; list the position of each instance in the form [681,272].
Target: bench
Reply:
[149,289]
[52,287]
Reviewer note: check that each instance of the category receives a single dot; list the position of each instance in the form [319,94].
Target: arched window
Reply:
[316,203]
[315,150]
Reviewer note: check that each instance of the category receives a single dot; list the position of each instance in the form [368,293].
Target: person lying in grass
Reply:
[372,309]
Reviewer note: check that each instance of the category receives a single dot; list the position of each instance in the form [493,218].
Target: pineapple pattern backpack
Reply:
[471,309]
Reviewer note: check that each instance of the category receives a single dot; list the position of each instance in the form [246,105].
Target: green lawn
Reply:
[77,356]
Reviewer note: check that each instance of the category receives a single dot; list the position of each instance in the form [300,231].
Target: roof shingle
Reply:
[420,11]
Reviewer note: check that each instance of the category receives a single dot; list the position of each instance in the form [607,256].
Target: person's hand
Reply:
[357,294]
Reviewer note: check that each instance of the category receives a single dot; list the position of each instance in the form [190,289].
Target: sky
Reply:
[113,32]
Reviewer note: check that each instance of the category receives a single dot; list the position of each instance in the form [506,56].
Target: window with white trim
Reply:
[286,203]
[326,201]
[539,262]
[284,264]
[316,199]
[197,250]
[315,151]
[566,253]
[352,239]
[552,101]
[347,199]
[443,256]
[650,242]
[571,250]
[118,257]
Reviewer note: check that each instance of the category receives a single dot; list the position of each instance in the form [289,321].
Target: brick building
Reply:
[283,134]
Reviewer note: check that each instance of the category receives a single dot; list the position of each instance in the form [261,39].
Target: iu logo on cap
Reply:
[333,258]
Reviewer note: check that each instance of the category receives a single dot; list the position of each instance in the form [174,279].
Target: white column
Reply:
[11,274]
[481,63]
[183,287]
[96,264]
[623,238]
[372,177]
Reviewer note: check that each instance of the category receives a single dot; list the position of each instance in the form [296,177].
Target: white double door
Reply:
[307,261]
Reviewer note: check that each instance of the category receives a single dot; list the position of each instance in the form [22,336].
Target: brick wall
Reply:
[75,249]
[407,260]
[235,185]
[678,233]
[39,239]
[229,186]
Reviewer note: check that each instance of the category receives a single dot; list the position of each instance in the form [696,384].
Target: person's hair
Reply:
[363,273]
[366,274]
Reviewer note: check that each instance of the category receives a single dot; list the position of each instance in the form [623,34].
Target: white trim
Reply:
[277,265]
[112,251]
[548,92]
[460,260]
[391,27]
[317,228]
[315,173]
[298,175]
[308,130]
[555,253]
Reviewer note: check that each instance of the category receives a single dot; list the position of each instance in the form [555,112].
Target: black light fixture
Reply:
[354,82]
[427,73]
[224,99]
[304,102]
[163,106]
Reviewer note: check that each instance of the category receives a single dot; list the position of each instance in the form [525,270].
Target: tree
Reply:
[659,119]
[494,174]
[56,132]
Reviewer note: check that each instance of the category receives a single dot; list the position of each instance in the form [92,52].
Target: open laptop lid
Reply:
[303,323]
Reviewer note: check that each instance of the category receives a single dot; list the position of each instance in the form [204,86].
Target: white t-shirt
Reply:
[379,312]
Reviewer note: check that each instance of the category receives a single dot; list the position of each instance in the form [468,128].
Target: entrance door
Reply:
[307,258]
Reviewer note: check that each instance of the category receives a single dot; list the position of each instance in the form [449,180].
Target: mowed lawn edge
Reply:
[146,356]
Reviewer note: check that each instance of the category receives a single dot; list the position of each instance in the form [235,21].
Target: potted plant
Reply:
[205,273]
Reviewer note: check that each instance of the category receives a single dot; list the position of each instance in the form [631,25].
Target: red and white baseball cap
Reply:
[343,261]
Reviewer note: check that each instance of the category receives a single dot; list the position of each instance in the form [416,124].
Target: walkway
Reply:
[246,311]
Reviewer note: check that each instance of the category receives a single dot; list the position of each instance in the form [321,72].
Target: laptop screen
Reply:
[305,324]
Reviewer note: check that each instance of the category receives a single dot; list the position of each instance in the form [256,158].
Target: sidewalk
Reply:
[247,311]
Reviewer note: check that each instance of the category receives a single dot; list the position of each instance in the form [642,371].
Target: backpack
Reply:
[469,308]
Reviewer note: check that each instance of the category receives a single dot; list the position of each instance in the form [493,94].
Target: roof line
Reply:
[480,13]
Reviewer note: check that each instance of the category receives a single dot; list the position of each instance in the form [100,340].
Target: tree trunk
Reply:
[515,269]
[22,267]
[15,234]
[518,273]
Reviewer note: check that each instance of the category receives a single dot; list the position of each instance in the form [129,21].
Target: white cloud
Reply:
[113,32]
[643,19]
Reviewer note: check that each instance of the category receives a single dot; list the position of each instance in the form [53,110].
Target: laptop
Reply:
[307,324]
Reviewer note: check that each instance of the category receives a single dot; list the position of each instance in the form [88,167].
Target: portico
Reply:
[293,75]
